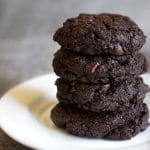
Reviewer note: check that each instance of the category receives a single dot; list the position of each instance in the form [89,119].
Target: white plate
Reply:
[24,115]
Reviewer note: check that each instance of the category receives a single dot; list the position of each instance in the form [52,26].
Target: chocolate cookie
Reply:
[101,34]
[96,69]
[131,129]
[102,97]
[91,124]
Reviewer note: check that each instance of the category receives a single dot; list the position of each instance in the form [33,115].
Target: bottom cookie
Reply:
[131,129]
[109,125]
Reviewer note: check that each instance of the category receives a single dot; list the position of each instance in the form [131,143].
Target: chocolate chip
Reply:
[106,87]
[84,79]
[95,67]
[118,51]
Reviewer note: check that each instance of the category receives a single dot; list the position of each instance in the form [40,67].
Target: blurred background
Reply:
[26,30]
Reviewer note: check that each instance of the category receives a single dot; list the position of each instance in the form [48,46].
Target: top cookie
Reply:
[101,34]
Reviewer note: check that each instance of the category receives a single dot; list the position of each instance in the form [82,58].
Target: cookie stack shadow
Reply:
[100,91]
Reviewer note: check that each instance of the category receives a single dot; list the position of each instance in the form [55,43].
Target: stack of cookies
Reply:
[99,90]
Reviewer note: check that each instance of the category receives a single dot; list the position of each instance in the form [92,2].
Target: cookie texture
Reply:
[90,124]
[102,97]
[102,34]
[97,69]
[131,129]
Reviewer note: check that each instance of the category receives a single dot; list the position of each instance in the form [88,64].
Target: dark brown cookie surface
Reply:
[102,97]
[100,34]
[89,124]
[131,129]
[97,69]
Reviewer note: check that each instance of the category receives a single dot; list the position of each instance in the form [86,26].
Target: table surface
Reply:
[26,29]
